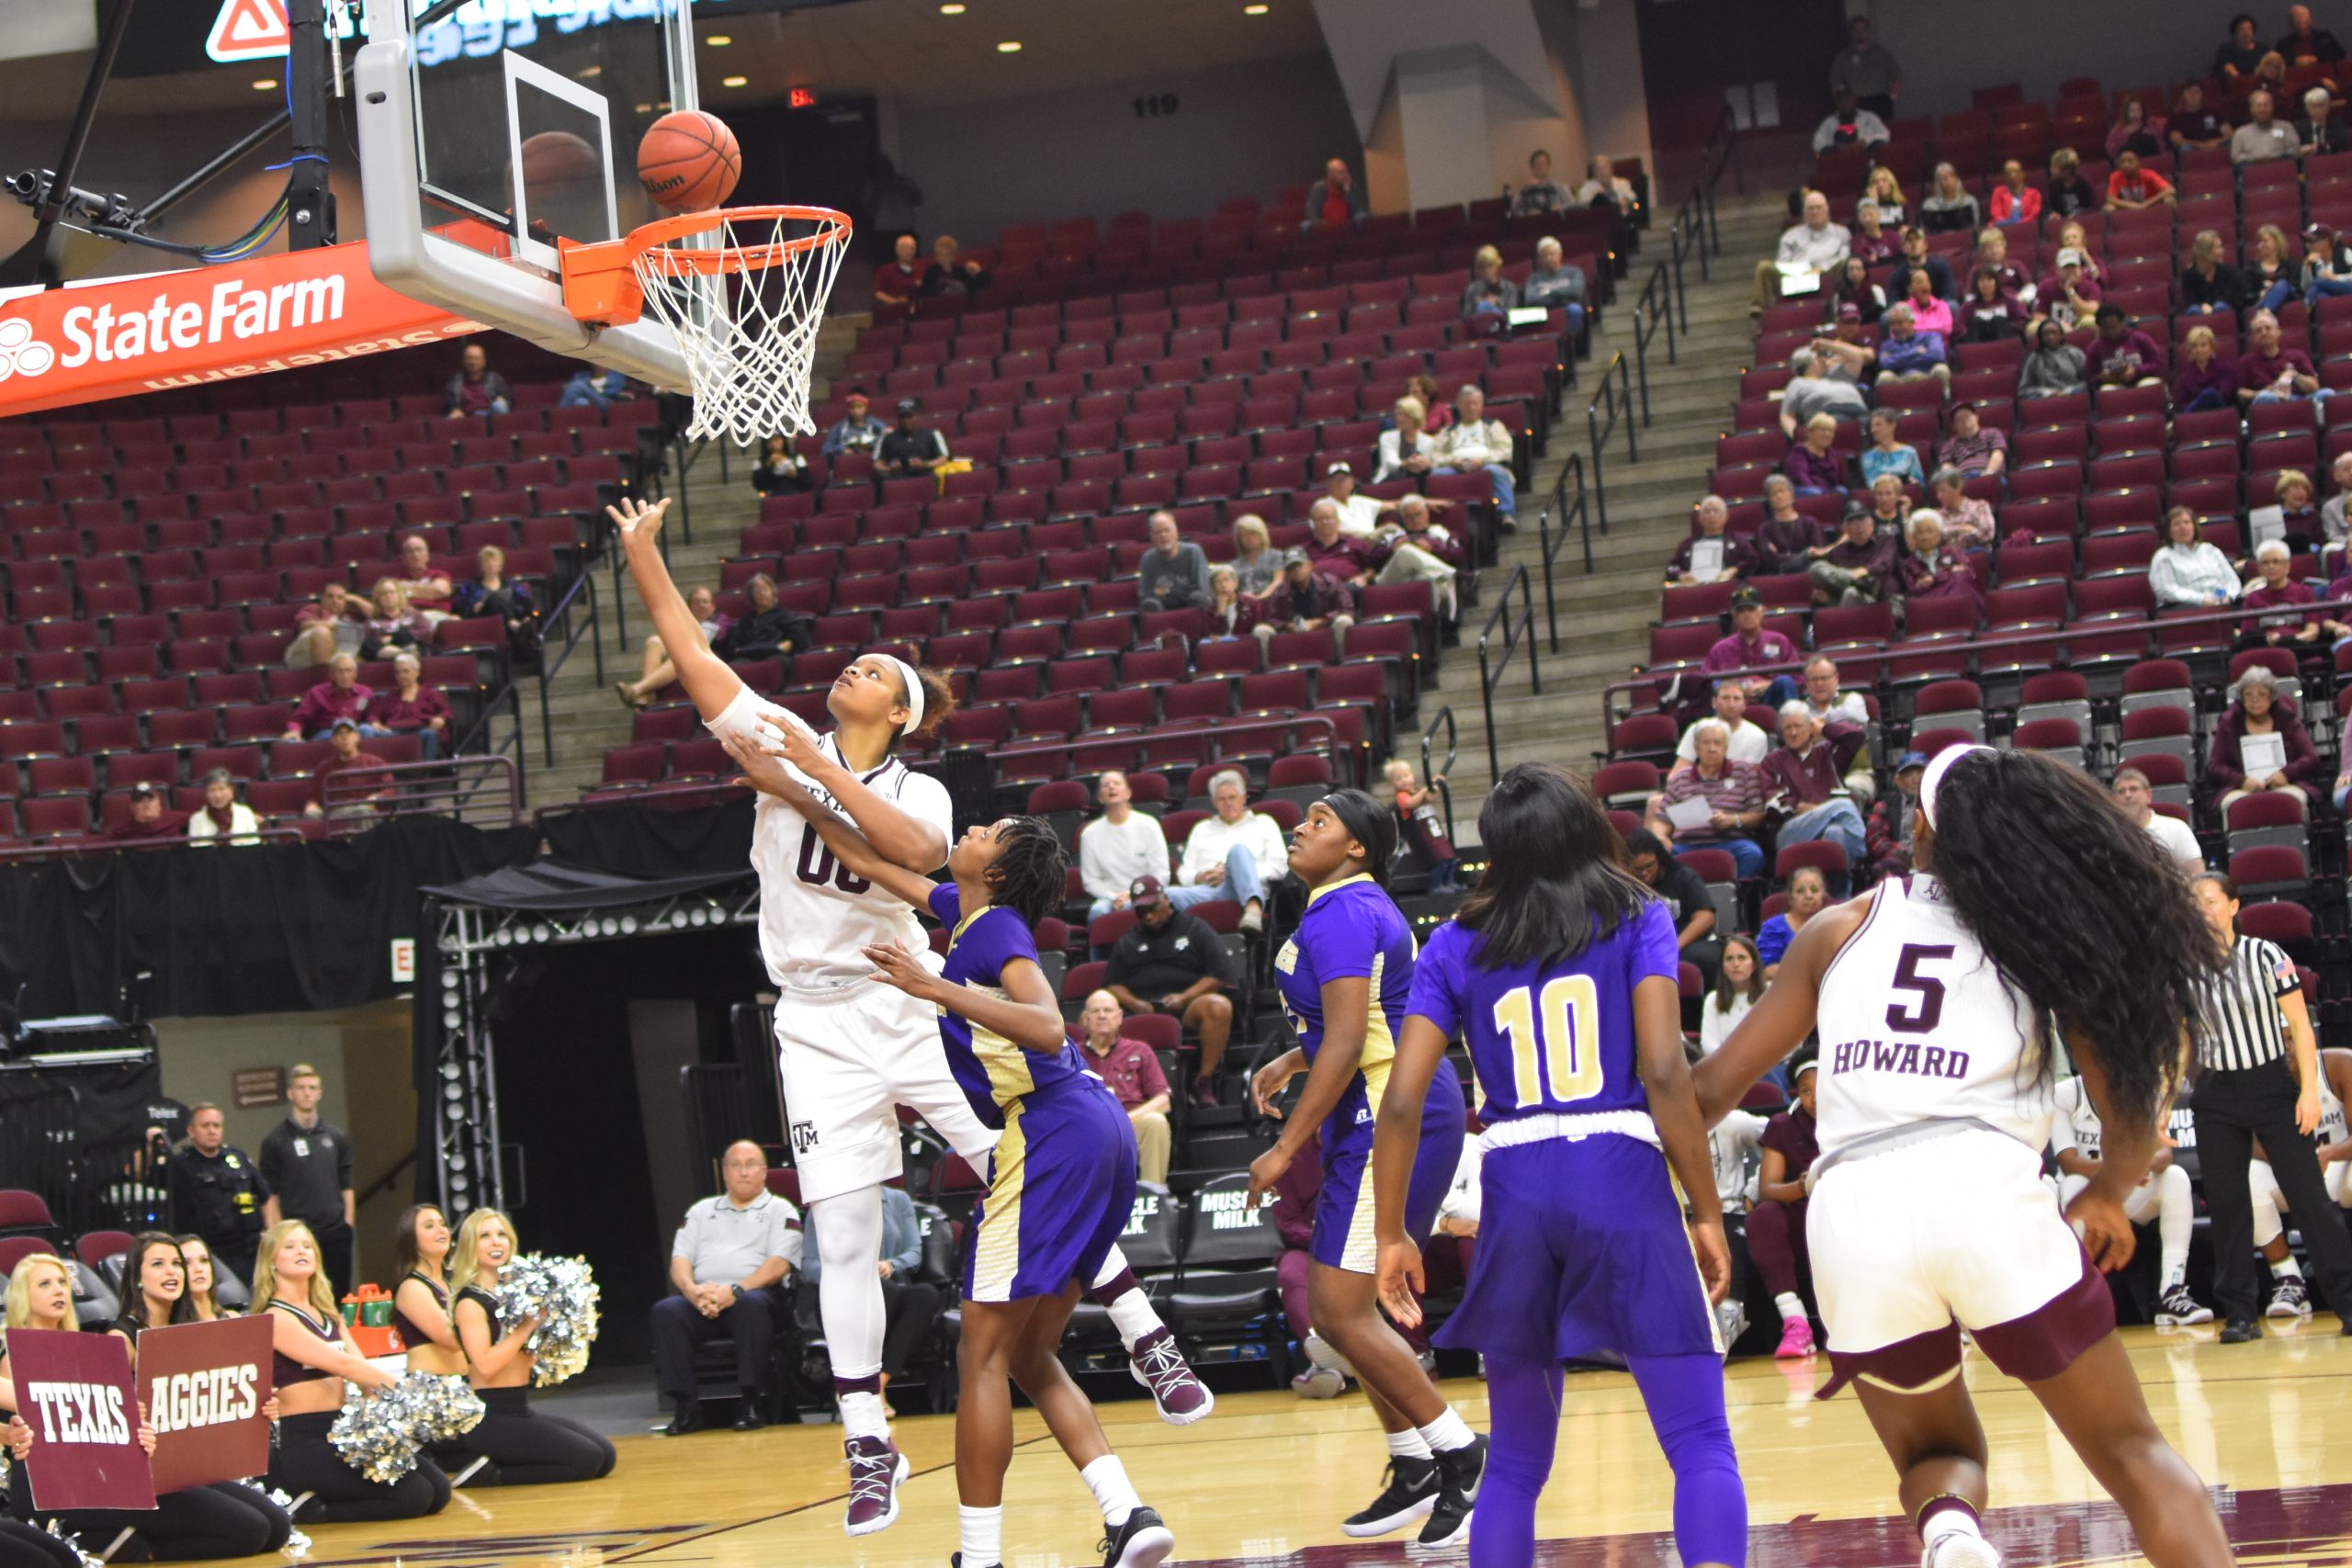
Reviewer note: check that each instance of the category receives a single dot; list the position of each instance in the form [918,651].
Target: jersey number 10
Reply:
[1554,1040]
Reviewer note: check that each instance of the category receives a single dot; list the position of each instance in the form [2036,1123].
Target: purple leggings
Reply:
[1685,1396]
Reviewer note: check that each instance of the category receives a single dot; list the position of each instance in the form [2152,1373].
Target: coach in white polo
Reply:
[728,1258]
[1118,846]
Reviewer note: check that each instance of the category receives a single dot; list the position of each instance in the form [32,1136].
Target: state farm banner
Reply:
[73,1390]
[203,1385]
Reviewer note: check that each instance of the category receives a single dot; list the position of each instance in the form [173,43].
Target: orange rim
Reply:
[599,282]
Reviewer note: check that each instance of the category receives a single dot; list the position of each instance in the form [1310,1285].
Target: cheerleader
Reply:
[528,1447]
[1559,973]
[421,1317]
[1344,976]
[1940,1003]
[22,1545]
[203,1296]
[311,1362]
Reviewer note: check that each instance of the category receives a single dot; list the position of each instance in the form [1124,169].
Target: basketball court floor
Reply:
[1266,1479]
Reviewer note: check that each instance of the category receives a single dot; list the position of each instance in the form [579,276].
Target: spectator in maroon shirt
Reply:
[1133,1071]
[427,589]
[2122,355]
[2271,373]
[1811,464]
[411,708]
[1933,567]
[1990,313]
[1333,553]
[1789,540]
[2069,295]
[900,280]
[335,620]
[1753,646]
[363,771]
[1973,447]
[1860,567]
[2278,590]
[339,696]
[1804,784]
[476,389]
[1333,201]
[2203,381]
[148,819]
[1305,600]
[1734,556]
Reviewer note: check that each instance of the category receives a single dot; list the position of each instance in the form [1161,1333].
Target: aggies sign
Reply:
[204,1385]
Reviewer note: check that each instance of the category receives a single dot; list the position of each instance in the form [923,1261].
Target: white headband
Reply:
[1946,759]
[914,692]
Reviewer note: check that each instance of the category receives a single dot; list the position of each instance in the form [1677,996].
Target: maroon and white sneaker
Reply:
[1160,1367]
[876,1471]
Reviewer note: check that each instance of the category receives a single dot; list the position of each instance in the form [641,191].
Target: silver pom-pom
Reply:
[442,1409]
[561,1292]
[58,1530]
[297,1545]
[378,1434]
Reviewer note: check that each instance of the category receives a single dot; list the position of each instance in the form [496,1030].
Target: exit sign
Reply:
[802,99]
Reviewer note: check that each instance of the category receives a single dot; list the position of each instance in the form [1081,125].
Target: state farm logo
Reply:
[20,354]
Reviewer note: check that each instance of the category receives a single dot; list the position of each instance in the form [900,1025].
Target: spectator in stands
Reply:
[2297,502]
[1710,555]
[2192,126]
[1948,207]
[1357,514]
[2133,132]
[2270,76]
[1177,960]
[1910,354]
[1739,985]
[768,630]
[2270,273]
[2262,137]
[411,708]
[2187,572]
[2068,192]
[2172,835]
[952,272]
[148,819]
[1257,565]
[1229,611]
[1811,247]
[911,448]
[1132,1071]
[1990,313]
[1237,853]
[1808,895]
[1553,284]
[1885,455]
[2131,186]
[392,623]
[1173,573]
[1743,741]
[1752,646]
[1333,201]
[1929,314]
[592,386]
[2326,270]
[492,592]
[2121,355]
[2335,528]
[2303,44]
[2203,381]
[1811,464]
[1304,600]
[1993,251]
[779,471]
[1866,71]
[332,624]
[1405,451]
[1414,548]
[1734,796]
[1488,292]
[2257,720]
[727,1263]
[1118,847]
[2234,61]
[1890,817]
[1420,832]
[339,696]
[1873,240]
[1602,182]
[1890,508]
[1934,567]
[1830,705]
[1848,124]
[2054,367]
[1974,448]
[1789,540]
[899,282]
[1817,393]
[1854,294]
[1860,567]
[224,816]
[1473,442]
[425,588]
[1541,194]
[1349,557]
[2322,131]
[2271,372]
[2210,283]
[2275,590]
[2069,296]
[1883,194]
[2014,201]
[1436,416]
[656,671]
[857,430]
[476,389]
[1967,521]
[1685,899]
[367,772]
[1916,257]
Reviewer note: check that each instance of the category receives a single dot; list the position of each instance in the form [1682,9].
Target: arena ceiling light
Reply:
[1254,11]
[719,40]
[953,8]
[734,81]
[1010,46]
[264,83]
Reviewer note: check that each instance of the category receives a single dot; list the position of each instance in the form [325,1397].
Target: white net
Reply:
[746,299]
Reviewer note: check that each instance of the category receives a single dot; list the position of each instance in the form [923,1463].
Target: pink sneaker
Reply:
[875,1473]
[1796,1339]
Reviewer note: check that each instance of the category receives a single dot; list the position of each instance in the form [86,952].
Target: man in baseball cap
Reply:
[910,449]
[148,819]
[1173,962]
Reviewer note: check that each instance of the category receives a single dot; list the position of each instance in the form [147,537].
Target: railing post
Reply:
[1600,490]
[1625,396]
[1642,358]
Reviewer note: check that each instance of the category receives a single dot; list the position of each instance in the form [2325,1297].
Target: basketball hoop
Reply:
[745,302]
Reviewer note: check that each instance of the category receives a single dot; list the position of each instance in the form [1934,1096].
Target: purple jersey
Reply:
[992,1071]
[1352,930]
[1555,1035]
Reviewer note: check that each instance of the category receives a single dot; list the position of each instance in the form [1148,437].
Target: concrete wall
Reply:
[1948,49]
[1607,57]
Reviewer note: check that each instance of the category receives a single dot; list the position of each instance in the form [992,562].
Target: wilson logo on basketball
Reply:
[20,352]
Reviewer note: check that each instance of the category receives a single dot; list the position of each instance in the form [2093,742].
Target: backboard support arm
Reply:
[36,261]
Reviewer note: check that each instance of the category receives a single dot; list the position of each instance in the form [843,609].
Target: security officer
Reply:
[306,1161]
[218,1193]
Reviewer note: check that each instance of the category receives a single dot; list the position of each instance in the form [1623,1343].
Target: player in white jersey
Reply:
[2288,1296]
[2163,1196]
[850,1052]
[1937,1003]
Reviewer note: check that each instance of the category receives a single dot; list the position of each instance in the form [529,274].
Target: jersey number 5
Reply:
[1921,1020]
[818,866]
[1553,1040]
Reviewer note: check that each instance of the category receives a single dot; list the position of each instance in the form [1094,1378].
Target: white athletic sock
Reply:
[2287,1268]
[861,1417]
[1948,1522]
[981,1536]
[1407,1444]
[1131,1315]
[1447,1433]
[1113,1493]
[1789,1302]
[2176,1221]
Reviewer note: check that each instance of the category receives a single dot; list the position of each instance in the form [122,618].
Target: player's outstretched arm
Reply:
[705,675]
[764,773]
[1779,1023]
[1395,1141]
[1674,1111]
[1027,1014]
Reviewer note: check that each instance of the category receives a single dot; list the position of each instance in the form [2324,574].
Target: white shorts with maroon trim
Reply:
[1956,1229]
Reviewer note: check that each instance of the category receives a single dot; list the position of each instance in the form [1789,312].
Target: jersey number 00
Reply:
[818,866]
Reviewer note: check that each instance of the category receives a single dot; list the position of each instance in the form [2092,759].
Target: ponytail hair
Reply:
[2049,876]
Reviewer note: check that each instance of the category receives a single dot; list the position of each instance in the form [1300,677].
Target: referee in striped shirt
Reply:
[2248,1089]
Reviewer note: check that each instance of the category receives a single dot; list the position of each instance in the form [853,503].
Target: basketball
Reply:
[688,161]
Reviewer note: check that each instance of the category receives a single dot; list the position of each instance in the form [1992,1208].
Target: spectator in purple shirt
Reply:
[1789,540]
[1344,556]
[1860,567]
[1804,784]
[1811,464]
[1972,447]
[1752,646]
[412,708]
[2271,373]
[2122,355]
[1733,555]
[1906,353]
[339,696]
[2203,381]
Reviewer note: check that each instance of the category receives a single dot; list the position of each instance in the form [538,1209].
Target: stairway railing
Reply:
[1494,661]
